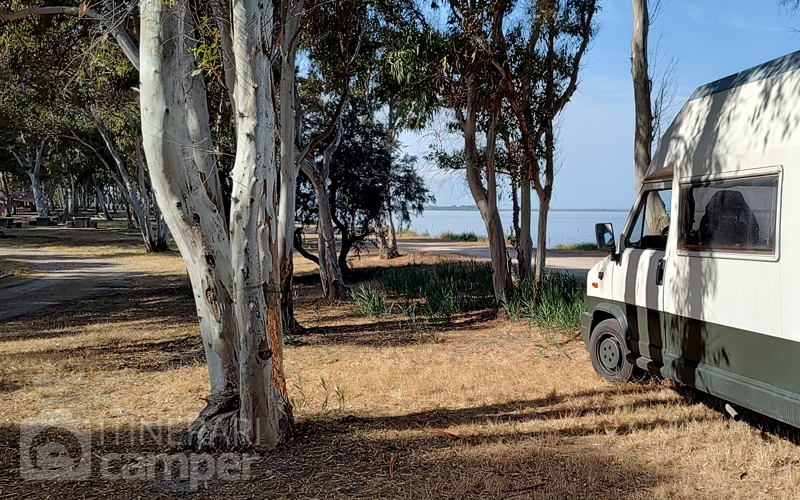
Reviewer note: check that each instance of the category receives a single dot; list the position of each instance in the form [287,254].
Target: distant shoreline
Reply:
[473,208]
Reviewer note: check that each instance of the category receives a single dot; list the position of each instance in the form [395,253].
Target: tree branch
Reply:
[586,24]
[122,37]
[325,133]
[298,245]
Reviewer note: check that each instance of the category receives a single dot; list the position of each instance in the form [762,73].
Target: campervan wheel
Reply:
[609,350]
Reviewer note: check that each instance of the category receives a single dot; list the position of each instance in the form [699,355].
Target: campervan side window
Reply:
[736,215]
[652,221]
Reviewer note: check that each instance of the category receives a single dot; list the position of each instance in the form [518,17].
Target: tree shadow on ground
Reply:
[350,457]
[399,330]
[768,427]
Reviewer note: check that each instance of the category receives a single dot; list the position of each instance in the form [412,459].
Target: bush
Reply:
[409,233]
[561,302]
[370,302]
[445,289]
[585,247]
[463,236]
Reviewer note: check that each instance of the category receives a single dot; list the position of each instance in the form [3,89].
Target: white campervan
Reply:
[704,281]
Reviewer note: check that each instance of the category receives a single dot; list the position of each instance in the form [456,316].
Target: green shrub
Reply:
[445,289]
[561,302]
[410,233]
[463,236]
[586,247]
[370,302]
[406,280]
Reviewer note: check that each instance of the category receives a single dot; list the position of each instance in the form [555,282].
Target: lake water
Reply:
[563,228]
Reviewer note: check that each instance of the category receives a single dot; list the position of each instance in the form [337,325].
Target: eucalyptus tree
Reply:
[102,116]
[539,76]
[232,260]
[28,98]
[460,54]
[6,190]
[643,139]
[361,170]
[408,105]
[333,40]
[649,105]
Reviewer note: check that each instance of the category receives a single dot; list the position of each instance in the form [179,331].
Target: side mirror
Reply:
[605,237]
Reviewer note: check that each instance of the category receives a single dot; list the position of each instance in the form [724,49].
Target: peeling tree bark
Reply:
[330,270]
[264,414]
[233,267]
[196,221]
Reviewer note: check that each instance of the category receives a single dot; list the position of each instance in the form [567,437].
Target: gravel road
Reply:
[58,279]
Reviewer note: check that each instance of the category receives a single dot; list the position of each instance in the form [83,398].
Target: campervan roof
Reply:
[743,121]
[789,62]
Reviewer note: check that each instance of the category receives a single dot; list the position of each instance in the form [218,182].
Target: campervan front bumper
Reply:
[586,327]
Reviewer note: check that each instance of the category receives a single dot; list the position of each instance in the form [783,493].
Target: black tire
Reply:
[608,349]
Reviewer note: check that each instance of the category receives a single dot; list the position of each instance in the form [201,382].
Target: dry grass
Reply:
[12,272]
[491,410]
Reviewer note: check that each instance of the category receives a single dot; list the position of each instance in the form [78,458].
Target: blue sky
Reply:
[712,39]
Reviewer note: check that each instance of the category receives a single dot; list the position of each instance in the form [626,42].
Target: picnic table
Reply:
[45,221]
[84,222]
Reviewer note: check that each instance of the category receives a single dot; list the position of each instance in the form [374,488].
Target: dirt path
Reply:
[59,278]
[576,262]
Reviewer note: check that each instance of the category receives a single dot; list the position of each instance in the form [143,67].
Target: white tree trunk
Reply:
[329,271]
[234,270]
[7,200]
[265,416]
[135,197]
[486,197]
[643,139]
[195,220]
[32,167]
[39,199]
[101,202]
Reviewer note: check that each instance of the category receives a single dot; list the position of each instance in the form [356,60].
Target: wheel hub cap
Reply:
[610,353]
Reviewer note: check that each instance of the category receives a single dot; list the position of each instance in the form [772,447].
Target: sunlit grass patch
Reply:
[444,289]
[561,301]
[584,247]
[467,236]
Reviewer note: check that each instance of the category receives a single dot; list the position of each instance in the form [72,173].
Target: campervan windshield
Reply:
[651,225]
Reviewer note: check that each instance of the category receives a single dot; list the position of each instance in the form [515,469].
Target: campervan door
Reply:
[722,302]
[638,279]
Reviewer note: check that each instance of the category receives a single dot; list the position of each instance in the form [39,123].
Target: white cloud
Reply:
[742,23]
[695,13]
